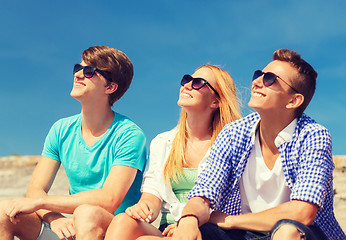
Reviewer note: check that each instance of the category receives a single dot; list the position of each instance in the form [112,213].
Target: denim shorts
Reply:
[311,232]
[210,231]
[47,233]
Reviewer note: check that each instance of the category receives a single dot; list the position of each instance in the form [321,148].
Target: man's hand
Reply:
[63,227]
[22,206]
[220,219]
[187,230]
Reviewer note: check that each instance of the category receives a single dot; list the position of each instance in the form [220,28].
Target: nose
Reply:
[188,85]
[258,82]
[79,74]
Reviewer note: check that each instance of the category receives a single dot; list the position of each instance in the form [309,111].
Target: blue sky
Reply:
[165,39]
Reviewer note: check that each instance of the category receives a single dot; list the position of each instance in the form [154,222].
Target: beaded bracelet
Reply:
[188,215]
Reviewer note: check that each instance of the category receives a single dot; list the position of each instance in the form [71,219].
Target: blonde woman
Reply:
[208,101]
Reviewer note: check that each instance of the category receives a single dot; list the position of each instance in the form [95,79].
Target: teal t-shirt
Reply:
[87,167]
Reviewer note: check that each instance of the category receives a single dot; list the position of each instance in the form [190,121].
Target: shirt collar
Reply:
[284,136]
[253,131]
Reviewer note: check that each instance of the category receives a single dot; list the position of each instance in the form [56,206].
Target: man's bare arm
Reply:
[301,211]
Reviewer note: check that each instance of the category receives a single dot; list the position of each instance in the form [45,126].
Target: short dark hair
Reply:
[306,82]
[115,64]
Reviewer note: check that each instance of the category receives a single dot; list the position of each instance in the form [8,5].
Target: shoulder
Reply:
[243,124]
[68,120]
[165,138]
[124,125]
[310,136]
[238,133]
[71,118]
[124,121]
[64,124]
[168,135]
[306,126]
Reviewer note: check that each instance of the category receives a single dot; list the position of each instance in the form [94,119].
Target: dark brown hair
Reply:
[306,82]
[115,64]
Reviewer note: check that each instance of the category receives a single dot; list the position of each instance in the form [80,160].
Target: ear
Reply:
[214,104]
[296,101]
[111,87]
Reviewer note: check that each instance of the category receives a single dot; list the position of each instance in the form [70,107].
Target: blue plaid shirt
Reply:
[306,160]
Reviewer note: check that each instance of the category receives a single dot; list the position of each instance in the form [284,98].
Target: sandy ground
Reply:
[340,190]
[15,174]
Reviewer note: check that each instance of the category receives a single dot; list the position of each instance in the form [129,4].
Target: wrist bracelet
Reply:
[188,215]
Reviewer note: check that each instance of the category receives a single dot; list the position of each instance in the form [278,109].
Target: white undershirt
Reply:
[260,187]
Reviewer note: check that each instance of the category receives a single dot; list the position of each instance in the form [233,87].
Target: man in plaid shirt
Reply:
[270,174]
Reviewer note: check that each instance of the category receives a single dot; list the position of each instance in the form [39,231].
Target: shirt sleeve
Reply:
[50,148]
[151,178]
[315,168]
[213,180]
[131,149]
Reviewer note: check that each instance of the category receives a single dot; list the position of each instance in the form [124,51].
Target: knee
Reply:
[3,210]
[123,219]
[86,212]
[7,228]
[87,216]
[91,221]
[286,231]
[122,222]
[124,227]
[87,221]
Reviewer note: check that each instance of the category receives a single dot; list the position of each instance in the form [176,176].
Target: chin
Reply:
[255,107]
[181,103]
[251,104]
[256,103]
[75,95]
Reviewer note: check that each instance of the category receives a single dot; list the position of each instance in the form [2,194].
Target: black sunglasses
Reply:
[89,71]
[197,83]
[269,78]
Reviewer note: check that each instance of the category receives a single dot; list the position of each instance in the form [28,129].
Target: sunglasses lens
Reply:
[269,79]
[88,71]
[186,79]
[257,74]
[198,83]
[77,68]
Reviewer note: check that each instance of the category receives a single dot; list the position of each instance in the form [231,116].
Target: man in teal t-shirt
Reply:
[103,154]
[121,144]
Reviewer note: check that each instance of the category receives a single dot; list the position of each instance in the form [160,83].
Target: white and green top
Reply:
[181,188]
[153,181]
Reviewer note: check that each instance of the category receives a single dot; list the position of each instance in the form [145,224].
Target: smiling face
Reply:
[202,99]
[275,97]
[89,88]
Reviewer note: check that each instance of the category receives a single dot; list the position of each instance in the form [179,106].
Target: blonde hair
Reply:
[228,111]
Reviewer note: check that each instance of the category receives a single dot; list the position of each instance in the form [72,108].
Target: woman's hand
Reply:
[187,230]
[169,230]
[141,211]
